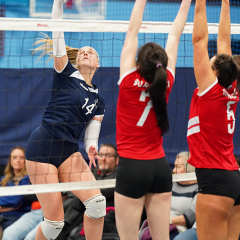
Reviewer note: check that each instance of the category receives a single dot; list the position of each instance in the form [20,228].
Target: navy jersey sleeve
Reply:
[101,106]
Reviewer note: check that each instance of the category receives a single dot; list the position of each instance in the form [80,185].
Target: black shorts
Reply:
[136,178]
[219,182]
[45,148]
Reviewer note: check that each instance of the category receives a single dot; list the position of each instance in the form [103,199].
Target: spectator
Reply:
[183,200]
[107,169]
[26,226]
[184,196]
[15,173]
[191,234]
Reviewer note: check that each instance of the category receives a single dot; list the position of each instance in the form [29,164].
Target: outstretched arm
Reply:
[203,72]
[59,49]
[130,46]
[176,32]
[224,34]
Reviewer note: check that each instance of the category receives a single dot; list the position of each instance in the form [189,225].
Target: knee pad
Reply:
[51,229]
[95,206]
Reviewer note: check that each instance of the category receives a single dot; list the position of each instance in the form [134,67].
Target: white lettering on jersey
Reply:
[86,99]
[95,103]
[168,84]
[146,111]
[232,96]
[230,114]
[143,96]
[139,83]
[146,85]
[90,107]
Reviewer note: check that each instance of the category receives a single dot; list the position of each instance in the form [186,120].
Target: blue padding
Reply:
[25,93]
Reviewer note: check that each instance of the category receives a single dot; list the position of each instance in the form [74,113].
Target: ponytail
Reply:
[46,48]
[157,92]
[152,62]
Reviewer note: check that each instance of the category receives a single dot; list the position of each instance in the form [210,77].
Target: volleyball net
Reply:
[26,82]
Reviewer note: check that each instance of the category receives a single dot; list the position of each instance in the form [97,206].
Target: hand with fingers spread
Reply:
[92,155]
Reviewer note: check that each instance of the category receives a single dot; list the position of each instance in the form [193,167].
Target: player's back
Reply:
[211,127]
[138,134]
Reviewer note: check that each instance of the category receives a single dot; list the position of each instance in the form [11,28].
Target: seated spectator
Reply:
[184,195]
[26,226]
[183,200]
[107,169]
[191,234]
[15,173]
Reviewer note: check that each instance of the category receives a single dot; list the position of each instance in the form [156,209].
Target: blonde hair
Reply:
[46,48]
[9,171]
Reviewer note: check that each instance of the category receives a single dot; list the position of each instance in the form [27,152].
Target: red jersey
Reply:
[137,133]
[211,127]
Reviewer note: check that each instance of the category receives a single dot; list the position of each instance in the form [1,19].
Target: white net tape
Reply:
[24,24]
[70,186]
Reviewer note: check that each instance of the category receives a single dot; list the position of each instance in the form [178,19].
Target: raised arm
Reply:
[59,49]
[176,32]
[224,34]
[203,72]
[130,46]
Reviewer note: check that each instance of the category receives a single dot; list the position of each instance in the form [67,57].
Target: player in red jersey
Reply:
[144,176]
[211,128]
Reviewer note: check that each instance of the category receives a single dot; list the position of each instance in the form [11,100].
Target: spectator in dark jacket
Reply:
[15,173]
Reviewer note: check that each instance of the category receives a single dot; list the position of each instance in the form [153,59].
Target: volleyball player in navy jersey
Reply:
[52,151]
[144,176]
[211,127]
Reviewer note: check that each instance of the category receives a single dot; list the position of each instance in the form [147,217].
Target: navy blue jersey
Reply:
[72,105]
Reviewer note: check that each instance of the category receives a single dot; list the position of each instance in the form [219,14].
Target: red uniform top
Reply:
[137,133]
[211,127]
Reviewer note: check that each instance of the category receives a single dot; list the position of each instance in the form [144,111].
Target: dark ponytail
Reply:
[152,63]
[236,59]
[157,91]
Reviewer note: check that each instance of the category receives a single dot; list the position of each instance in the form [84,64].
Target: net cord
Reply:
[71,186]
[26,24]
